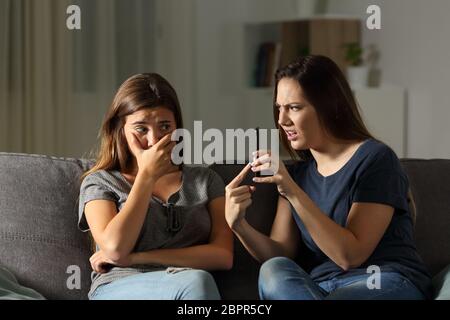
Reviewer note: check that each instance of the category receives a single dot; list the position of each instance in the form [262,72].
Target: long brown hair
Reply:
[141,91]
[325,87]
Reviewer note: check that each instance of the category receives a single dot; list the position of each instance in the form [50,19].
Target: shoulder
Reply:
[377,156]
[99,175]
[378,149]
[105,178]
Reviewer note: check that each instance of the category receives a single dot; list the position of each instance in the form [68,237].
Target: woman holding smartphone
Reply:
[346,199]
[158,228]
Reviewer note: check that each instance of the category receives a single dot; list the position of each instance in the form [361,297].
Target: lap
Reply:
[160,285]
[388,286]
[284,274]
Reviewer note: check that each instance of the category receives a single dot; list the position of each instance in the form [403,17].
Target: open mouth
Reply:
[291,134]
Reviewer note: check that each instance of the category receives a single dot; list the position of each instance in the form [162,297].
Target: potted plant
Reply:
[357,71]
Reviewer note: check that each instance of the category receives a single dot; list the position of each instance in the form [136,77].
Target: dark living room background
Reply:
[56,83]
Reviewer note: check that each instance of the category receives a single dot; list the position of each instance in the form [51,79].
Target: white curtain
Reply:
[35,76]
[55,83]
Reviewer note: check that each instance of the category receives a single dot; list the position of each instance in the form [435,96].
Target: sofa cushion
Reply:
[39,238]
[430,186]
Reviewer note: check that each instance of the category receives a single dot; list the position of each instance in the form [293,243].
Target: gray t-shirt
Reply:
[181,222]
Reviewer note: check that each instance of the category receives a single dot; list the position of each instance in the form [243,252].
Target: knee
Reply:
[200,285]
[273,273]
[272,268]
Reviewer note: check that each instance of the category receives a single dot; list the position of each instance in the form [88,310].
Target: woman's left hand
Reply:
[278,174]
[100,263]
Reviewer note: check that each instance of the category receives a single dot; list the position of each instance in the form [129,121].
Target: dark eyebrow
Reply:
[292,104]
[140,122]
[145,122]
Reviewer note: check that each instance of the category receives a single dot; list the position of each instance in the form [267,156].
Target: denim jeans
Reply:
[188,284]
[281,278]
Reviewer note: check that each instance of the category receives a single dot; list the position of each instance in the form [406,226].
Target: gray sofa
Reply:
[41,245]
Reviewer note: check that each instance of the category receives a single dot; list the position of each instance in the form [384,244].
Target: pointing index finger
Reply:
[238,179]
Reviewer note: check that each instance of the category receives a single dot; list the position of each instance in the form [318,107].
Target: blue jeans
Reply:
[187,284]
[281,278]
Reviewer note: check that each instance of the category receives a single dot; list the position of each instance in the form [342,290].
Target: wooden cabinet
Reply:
[270,45]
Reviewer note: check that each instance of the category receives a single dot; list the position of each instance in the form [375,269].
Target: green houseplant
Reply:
[357,71]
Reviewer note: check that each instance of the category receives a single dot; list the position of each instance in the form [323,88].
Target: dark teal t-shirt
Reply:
[373,174]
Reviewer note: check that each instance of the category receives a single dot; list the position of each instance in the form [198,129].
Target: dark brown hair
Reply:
[325,87]
[141,91]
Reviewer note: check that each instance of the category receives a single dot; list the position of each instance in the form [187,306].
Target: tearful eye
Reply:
[165,127]
[141,129]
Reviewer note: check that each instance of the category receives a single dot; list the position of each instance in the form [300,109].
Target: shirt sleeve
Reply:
[92,188]
[384,182]
[216,186]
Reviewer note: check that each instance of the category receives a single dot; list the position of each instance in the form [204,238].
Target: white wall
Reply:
[412,42]
[414,46]
[219,56]
[175,50]
[199,49]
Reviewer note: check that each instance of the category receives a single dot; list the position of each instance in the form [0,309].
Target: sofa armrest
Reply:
[441,284]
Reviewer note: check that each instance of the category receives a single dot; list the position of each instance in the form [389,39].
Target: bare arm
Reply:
[216,255]
[116,234]
[347,246]
[284,237]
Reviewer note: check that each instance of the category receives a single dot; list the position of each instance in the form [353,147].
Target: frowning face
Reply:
[297,117]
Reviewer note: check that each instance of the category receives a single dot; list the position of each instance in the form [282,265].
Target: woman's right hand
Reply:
[156,160]
[237,199]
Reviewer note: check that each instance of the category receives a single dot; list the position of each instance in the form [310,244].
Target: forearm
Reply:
[337,242]
[205,257]
[120,235]
[260,246]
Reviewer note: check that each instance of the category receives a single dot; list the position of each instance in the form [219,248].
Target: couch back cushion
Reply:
[430,186]
[39,239]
